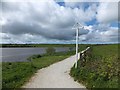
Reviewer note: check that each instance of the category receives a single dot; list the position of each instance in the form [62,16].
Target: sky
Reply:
[51,22]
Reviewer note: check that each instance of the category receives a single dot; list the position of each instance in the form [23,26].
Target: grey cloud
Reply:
[107,12]
[53,33]
[110,35]
[44,22]
[9,6]
[20,28]
[101,27]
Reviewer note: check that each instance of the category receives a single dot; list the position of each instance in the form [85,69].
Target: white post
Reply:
[77,32]
[77,26]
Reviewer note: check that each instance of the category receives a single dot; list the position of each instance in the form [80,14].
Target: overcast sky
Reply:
[52,22]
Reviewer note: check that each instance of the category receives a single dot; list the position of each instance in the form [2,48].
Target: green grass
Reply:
[15,74]
[101,71]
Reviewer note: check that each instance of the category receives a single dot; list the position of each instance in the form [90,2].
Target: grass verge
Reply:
[101,71]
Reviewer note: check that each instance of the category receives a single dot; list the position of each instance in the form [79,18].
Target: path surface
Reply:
[54,76]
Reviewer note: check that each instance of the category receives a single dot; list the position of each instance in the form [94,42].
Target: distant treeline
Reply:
[17,45]
[37,45]
[46,45]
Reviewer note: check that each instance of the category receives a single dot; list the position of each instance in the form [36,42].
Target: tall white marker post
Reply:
[77,26]
[77,32]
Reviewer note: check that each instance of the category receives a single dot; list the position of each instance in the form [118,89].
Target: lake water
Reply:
[21,54]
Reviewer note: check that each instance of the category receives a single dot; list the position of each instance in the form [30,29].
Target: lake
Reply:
[21,54]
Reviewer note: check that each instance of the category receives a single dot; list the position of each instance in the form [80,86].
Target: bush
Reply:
[34,57]
[71,48]
[101,69]
[50,50]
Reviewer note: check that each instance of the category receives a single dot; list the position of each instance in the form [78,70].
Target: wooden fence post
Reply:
[83,55]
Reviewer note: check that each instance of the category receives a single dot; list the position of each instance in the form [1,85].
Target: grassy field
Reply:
[101,70]
[15,74]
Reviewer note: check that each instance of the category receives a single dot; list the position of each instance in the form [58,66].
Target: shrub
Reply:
[100,70]
[71,48]
[50,50]
[36,56]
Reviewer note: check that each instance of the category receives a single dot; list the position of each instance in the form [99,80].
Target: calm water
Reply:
[21,54]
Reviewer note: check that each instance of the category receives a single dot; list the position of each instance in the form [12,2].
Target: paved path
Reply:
[54,76]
